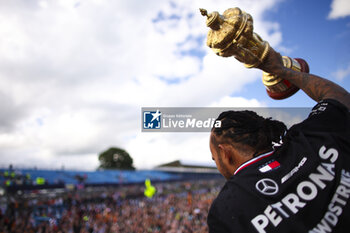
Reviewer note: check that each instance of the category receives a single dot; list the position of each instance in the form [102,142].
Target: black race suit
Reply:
[301,186]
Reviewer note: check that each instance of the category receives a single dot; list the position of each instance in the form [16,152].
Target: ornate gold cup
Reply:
[231,34]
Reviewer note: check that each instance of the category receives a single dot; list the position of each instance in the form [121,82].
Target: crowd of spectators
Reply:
[176,207]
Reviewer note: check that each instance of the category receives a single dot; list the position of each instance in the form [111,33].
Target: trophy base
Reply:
[278,88]
[284,94]
[304,66]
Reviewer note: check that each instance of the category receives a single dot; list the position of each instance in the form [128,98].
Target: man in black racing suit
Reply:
[302,183]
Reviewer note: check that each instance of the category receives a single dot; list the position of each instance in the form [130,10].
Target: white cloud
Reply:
[237,102]
[74,76]
[339,9]
[158,148]
[341,74]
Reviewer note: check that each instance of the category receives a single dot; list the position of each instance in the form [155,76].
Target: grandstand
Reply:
[188,166]
[28,179]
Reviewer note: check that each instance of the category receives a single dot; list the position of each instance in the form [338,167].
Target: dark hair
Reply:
[249,129]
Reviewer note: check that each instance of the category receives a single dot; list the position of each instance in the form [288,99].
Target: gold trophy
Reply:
[231,34]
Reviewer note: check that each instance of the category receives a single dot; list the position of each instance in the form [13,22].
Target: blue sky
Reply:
[307,32]
[74,75]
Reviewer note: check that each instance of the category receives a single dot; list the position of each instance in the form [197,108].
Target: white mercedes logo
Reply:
[267,186]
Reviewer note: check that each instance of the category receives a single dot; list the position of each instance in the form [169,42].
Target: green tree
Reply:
[115,158]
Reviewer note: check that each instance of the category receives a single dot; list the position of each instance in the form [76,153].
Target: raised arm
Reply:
[314,86]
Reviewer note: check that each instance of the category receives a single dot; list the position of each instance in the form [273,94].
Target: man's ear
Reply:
[227,153]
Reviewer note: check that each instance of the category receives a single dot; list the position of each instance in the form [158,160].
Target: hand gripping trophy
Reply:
[231,34]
